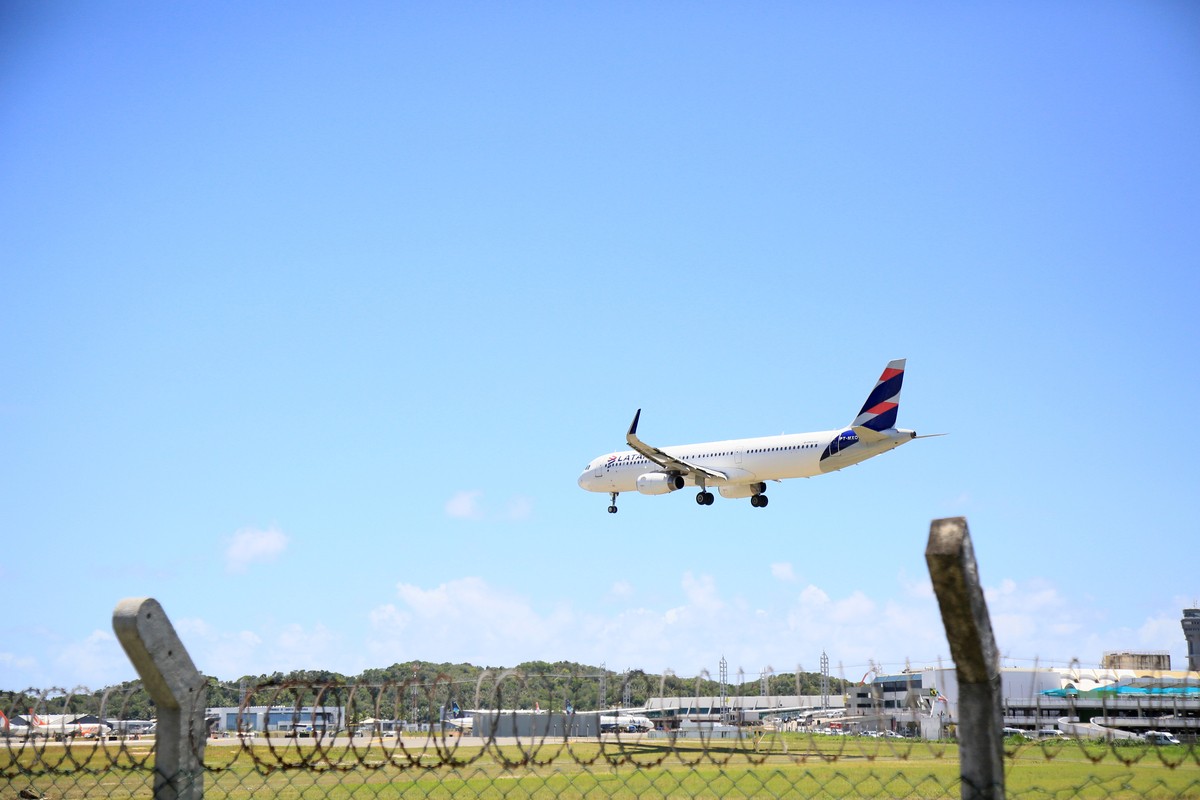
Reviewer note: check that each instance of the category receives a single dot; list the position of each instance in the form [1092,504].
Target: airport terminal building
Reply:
[1093,703]
[674,713]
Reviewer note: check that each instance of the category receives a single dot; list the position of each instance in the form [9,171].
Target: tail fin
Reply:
[883,404]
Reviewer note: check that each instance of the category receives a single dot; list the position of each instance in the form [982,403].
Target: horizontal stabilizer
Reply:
[868,435]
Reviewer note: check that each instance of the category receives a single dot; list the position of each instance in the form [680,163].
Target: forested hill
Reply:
[549,686]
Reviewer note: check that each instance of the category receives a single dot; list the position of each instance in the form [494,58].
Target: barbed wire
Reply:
[422,736]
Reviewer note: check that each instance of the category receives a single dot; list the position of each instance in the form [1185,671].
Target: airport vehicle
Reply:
[1160,737]
[741,467]
[1050,733]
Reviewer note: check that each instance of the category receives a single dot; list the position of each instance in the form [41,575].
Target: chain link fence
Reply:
[930,732]
[447,738]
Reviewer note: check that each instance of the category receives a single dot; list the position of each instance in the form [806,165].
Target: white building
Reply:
[1096,703]
[284,719]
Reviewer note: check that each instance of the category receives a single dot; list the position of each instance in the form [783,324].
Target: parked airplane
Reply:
[741,467]
[627,723]
[62,726]
[16,727]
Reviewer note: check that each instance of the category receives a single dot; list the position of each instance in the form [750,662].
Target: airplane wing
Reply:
[665,460]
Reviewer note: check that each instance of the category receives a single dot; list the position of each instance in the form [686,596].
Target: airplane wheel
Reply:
[701,500]
[708,498]
[612,509]
[762,501]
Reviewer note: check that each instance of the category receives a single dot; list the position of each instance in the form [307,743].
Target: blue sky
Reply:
[311,314]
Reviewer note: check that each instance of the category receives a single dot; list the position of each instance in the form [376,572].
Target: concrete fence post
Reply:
[951,560]
[178,691]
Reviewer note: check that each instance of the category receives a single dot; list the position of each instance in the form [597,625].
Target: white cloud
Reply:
[225,654]
[469,504]
[813,597]
[686,625]
[519,508]
[306,647]
[14,662]
[782,571]
[250,545]
[466,619]
[98,659]
[702,592]
[621,590]
[1031,620]
[230,654]
[469,620]
[465,505]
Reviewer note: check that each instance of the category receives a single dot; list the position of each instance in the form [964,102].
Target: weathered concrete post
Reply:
[951,560]
[178,691]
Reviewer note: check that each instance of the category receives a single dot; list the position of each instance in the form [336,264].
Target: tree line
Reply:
[425,691]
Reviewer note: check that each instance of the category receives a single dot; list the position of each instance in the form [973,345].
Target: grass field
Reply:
[791,765]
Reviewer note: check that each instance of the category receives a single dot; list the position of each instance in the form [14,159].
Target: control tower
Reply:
[1191,631]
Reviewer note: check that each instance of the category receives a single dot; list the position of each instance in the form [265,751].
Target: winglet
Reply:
[633,427]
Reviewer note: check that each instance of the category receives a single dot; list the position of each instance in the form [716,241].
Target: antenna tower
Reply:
[824,679]
[724,691]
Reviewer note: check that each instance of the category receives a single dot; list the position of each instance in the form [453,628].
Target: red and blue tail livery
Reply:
[883,404]
[742,467]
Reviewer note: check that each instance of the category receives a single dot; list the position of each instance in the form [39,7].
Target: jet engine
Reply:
[742,490]
[658,483]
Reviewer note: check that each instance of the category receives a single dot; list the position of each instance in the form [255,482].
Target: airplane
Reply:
[17,727]
[58,726]
[629,723]
[741,467]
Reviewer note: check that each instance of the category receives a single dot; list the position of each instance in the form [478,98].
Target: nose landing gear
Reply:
[612,509]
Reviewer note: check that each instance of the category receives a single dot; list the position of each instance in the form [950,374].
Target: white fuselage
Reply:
[745,461]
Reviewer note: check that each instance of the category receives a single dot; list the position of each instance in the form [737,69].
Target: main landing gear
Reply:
[612,509]
[758,500]
[704,498]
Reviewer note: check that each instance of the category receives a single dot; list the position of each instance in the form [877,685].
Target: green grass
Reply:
[822,768]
